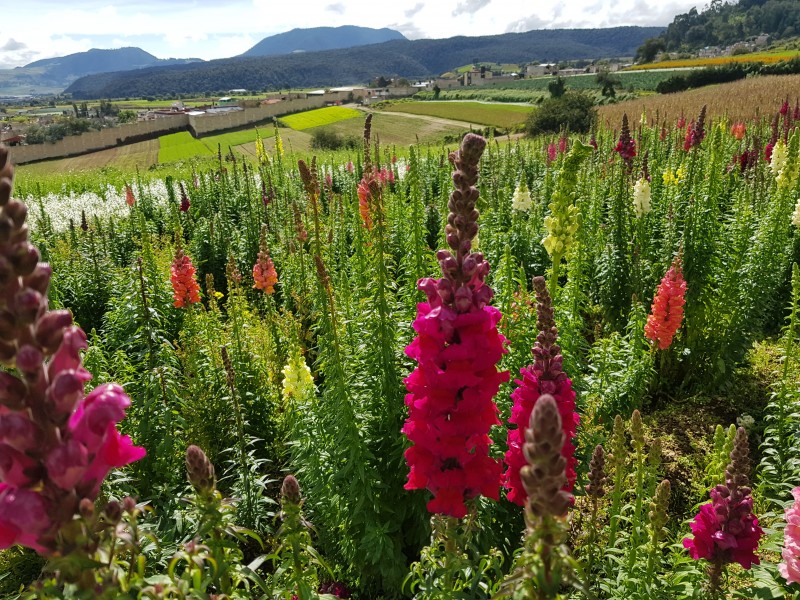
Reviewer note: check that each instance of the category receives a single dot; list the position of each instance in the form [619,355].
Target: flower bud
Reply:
[39,279]
[113,512]
[29,304]
[86,508]
[12,390]
[50,328]
[290,490]
[67,463]
[200,470]
[29,360]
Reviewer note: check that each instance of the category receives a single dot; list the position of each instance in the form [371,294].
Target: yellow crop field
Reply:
[760,57]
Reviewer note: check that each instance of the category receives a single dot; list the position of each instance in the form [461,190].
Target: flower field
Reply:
[549,368]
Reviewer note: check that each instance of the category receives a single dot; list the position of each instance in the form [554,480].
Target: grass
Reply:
[320,117]
[401,130]
[181,146]
[740,100]
[760,57]
[140,155]
[494,115]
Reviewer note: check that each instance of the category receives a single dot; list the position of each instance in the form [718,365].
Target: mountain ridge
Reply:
[315,39]
[360,64]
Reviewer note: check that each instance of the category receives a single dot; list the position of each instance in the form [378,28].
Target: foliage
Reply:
[573,111]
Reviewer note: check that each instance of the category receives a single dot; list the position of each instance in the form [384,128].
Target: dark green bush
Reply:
[327,139]
[573,111]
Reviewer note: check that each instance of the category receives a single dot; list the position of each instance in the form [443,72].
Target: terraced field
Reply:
[494,115]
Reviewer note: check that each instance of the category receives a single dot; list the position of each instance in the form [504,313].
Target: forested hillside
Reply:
[398,58]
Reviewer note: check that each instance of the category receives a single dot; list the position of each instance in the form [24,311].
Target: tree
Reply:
[436,91]
[557,87]
[607,82]
[647,52]
[574,111]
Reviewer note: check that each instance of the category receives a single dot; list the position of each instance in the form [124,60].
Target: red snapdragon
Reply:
[544,376]
[457,348]
[626,146]
[667,311]
[696,132]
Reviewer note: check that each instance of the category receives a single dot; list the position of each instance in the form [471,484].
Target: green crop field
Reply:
[320,117]
[399,129]
[494,115]
[180,146]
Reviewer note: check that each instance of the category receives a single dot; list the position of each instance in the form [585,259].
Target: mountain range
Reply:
[411,59]
[51,75]
[315,57]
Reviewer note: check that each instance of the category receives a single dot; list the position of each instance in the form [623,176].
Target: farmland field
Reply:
[495,115]
[319,117]
[739,100]
[129,157]
[181,146]
[759,57]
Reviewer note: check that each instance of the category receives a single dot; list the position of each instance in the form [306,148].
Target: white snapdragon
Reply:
[641,197]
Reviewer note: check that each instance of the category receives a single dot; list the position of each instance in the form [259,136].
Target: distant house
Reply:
[762,40]
[541,69]
[238,91]
[227,101]
[14,140]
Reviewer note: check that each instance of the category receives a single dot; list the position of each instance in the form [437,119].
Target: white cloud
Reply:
[214,29]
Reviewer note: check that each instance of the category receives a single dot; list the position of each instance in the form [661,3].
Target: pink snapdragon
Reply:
[450,392]
[790,567]
[56,444]
[544,376]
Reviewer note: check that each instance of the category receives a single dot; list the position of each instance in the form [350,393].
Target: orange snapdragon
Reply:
[667,310]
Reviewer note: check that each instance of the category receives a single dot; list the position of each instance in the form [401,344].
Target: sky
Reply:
[34,29]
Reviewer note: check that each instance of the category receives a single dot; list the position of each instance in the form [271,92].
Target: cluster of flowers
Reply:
[297,379]
[641,191]
[521,200]
[544,376]
[666,313]
[626,146]
[696,132]
[185,289]
[450,399]
[790,567]
[56,444]
[725,530]
[674,178]
[264,275]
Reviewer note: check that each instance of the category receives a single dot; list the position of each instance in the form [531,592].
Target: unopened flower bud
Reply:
[200,470]
[113,512]
[29,360]
[39,279]
[128,504]
[50,328]
[86,508]
[290,490]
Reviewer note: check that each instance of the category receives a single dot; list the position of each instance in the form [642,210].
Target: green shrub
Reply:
[574,111]
[327,139]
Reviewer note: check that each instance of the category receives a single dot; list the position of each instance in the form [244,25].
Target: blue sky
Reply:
[218,28]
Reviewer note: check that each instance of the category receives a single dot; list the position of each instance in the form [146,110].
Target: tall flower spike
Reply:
[544,476]
[457,348]
[596,488]
[56,444]
[264,275]
[544,376]
[626,146]
[667,311]
[725,530]
[696,132]
[185,288]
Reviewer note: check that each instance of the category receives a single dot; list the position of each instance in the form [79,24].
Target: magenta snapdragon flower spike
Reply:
[544,376]
[457,348]
[789,568]
[726,530]
[56,444]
